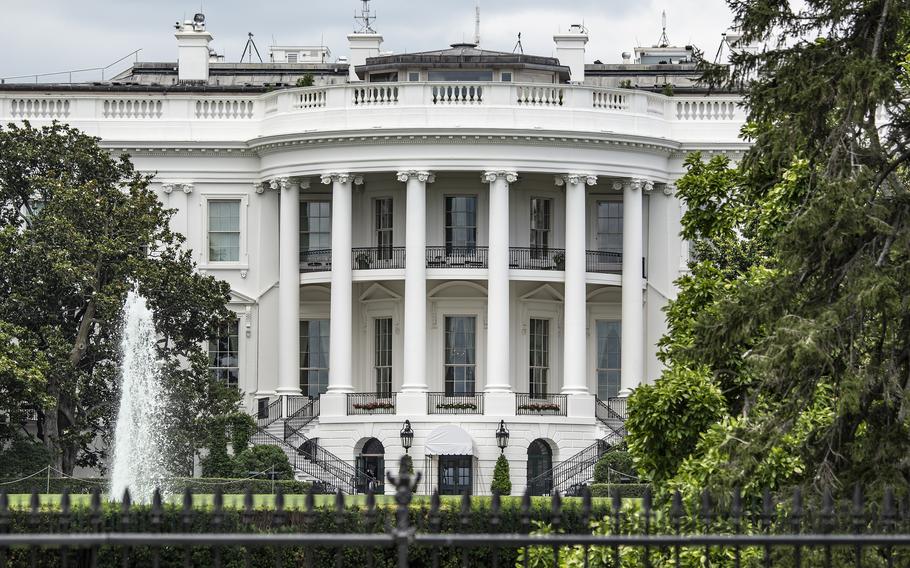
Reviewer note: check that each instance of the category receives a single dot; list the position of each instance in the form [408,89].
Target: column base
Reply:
[411,403]
[333,404]
[499,403]
[580,406]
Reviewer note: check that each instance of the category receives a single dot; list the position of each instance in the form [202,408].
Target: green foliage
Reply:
[269,459]
[613,463]
[667,90]
[198,485]
[306,81]
[625,490]
[501,483]
[408,464]
[243,426]
[22,456]
[76,227]
[667,418]
[22,375]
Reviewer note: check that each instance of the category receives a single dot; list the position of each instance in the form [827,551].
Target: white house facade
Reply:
[467,240]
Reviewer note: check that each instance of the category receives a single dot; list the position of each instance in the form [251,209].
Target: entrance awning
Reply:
[449,440]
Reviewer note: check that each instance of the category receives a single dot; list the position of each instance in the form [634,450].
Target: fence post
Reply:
[404,490]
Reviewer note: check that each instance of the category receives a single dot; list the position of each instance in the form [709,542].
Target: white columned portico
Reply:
[575,374]
[498,379]
[341,379]
[412,398]
[289,285]
[633,333]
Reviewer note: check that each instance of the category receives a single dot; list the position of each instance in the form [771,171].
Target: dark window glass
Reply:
[609,226]
[506,77]
[541,225]
[539,356]
[461,224]
[384,219]
[609,362]
[455,474]
[315,225]
[383,356]
[224,231]
[460,355]
[224,354]
[314,357]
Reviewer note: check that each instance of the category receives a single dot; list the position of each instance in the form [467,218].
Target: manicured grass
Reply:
[267,501]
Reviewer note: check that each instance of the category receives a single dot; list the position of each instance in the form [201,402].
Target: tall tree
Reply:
[822,328]
[78,229]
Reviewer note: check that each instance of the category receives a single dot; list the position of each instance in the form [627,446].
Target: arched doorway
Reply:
[371,467]
[540,466]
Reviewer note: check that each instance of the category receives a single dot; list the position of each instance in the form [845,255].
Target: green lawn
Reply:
[266,501]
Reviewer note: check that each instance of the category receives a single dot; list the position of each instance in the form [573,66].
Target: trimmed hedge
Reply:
[626,490]
[197,485]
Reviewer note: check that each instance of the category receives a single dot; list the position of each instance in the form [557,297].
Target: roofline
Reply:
[130,88]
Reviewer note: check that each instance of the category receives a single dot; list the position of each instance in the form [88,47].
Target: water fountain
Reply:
[139,447]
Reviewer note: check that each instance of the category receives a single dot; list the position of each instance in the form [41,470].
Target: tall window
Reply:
[461,223]
[540,357]
[382,356]
[314,356]
[609,363]
[224,230]
[541,224]
[383,213]
[315,225]
[460,355]
[224,354]
[609,226]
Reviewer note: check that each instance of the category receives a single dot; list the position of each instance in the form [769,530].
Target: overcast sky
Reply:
[41,36]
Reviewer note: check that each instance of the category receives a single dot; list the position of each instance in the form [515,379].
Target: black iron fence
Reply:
[604,262]
[268,411]
[456,257]
[657,530]
[537,258]
[316,260]
[541,404]
[441,403]
[378,258]
[371,403]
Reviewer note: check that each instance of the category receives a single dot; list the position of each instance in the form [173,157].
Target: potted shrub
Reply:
[363,261]
[559,259]
[501,482]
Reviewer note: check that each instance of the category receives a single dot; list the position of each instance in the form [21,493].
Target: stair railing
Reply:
[301,418]
[314,461]
[609,415]
[272,414]
[576,469]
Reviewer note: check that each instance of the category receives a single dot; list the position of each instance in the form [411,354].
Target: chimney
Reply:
[570,50]
[362,45]
[193,50]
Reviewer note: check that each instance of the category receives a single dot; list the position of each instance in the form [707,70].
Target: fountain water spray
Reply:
[139,445]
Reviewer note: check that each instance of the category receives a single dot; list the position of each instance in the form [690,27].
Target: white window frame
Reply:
[598,311]
[243,261]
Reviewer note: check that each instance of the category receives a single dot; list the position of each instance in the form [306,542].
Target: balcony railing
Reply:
[316,260]
[536,258]
[541,404]
[377,258]
[439,403]
[456,257]
[604,262]
[371,403]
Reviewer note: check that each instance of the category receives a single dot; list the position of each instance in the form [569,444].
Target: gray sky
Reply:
[43,36]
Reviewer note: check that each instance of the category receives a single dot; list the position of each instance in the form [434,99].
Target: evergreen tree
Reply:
[501,482]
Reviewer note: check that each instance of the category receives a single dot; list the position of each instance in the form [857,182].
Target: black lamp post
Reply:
[407,436]
[502,436]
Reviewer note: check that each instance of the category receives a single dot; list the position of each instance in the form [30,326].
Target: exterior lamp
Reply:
[407,436]
[502,436]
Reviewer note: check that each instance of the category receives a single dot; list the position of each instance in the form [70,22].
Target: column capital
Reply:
[490,176]
[279,184]
[575,179]
[170,187]
[421,175]
[670,189]
[633,184]
[341,177]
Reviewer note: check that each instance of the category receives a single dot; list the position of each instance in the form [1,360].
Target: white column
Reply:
[289,286]
[341,379]
[633,334]
[498,349]
[415,282]
[575,375]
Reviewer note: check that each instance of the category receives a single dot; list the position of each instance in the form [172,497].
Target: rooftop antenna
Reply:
[477,22]
[518,47]
[366,18]
[664,41]
[250,47]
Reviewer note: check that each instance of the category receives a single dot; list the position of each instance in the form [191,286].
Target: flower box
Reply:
[540,407]
[370,406]
[456,406]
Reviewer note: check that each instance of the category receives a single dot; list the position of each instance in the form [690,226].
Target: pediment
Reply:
[377,293]
[544,293]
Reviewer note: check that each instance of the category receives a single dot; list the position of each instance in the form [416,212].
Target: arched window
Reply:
[540,467]
[371,467]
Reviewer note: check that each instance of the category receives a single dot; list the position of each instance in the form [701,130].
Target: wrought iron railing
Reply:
[312,460]
[541,404]
[301,412]
[271,414]
[604,262]
[377,258]
[536,258]
[440,403]
[371,403]
[611,413]
[316,260]
[578,469]
[724,529]
[456,257]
